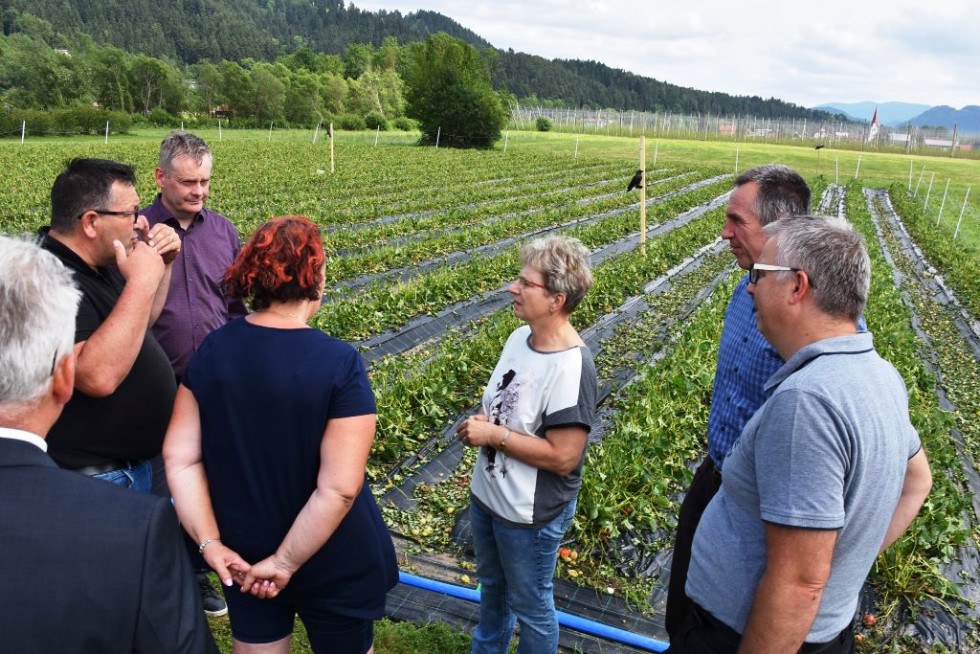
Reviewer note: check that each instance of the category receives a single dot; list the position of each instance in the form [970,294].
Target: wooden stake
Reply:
[919,182]
[643,195]
[331,149]
[942,205]
[965,198]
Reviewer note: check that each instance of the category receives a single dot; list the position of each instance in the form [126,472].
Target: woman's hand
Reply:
[267,578]
[476,431]
[226,563]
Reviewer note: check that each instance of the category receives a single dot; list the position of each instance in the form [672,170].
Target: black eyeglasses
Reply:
[135,213]
[756,267]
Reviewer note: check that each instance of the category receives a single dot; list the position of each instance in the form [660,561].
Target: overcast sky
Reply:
[802,52]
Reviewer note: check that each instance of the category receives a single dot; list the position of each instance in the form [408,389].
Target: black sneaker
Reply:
[214,603]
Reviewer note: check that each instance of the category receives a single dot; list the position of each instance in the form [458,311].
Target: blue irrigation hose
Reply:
[564,619]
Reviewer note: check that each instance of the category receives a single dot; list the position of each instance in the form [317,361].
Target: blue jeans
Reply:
[137,477]
[516,568]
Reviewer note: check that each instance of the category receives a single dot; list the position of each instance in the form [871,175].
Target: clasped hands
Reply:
[264,580]
[476,431]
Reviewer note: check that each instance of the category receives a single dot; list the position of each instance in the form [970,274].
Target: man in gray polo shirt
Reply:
[826,475]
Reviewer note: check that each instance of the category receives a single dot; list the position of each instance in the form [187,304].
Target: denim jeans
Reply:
[516,568]
[137,477]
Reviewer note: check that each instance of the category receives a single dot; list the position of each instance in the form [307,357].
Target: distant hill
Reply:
[189,31]
[889,113]
[966,120]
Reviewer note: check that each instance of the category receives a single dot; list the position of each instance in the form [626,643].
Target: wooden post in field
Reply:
[270,131]
[965,198]
[858,169]
[438,135]
[736,160]
[910,174]
[107,132]
[219,129]
[377,133]
[23,131]
[942,205]
[576,148]
[928,193]
[656,146]
[643,195]
[506,139]
[916,194]
[316,132]
[331,148]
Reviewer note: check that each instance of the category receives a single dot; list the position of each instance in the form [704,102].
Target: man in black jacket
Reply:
[90,566]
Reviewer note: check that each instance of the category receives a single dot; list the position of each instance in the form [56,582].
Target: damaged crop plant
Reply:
[421,244]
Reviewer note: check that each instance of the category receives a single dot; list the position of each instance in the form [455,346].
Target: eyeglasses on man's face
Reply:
[756,268]
[524,282]
[135,213]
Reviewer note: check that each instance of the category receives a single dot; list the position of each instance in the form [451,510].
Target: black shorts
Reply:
[256,621]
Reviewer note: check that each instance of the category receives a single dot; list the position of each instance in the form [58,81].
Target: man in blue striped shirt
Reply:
[745,359]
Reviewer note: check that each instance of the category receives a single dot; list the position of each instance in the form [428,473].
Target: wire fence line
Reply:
[837,132]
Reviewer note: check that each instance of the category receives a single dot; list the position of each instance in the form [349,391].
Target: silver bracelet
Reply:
[205,543]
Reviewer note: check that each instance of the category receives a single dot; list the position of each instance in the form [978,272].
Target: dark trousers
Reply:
[706,482]
[702,633]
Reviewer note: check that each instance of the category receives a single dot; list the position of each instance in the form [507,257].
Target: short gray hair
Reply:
[38,303]
[782,192]
[179,143]
[565,264]
[832,254]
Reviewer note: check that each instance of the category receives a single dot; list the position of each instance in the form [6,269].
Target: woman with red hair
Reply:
[266,456]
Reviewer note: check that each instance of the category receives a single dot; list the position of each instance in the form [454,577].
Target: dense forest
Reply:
[292,60]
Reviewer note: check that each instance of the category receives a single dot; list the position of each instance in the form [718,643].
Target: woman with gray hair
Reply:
[532,432]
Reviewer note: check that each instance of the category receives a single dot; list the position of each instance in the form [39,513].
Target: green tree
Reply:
[155,83]
[110,67]
[448,87]
[33,75]
[357,59]
[236,88]
[270,92]
[208,83]
[333,91]
[303,98]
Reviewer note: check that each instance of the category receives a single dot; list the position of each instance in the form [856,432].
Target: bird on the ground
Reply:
[635,182]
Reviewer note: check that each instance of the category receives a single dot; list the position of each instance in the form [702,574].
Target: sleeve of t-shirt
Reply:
[352,394]
[801,462]
[572,400]
[86,320]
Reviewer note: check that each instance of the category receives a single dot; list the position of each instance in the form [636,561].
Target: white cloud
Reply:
[836,50]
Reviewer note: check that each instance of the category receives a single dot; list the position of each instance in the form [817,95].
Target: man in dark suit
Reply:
[88,566]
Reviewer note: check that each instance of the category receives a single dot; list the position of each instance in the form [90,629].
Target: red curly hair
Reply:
[282,262]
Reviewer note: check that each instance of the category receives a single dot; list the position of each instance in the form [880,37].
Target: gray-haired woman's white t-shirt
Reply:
[530,392]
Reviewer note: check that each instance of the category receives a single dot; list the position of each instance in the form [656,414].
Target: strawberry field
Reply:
[422,244]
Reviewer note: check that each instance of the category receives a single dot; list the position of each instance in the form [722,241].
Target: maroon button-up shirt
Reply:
[196,304]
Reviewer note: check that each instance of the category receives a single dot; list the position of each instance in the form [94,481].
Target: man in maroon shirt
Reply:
[196,304]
